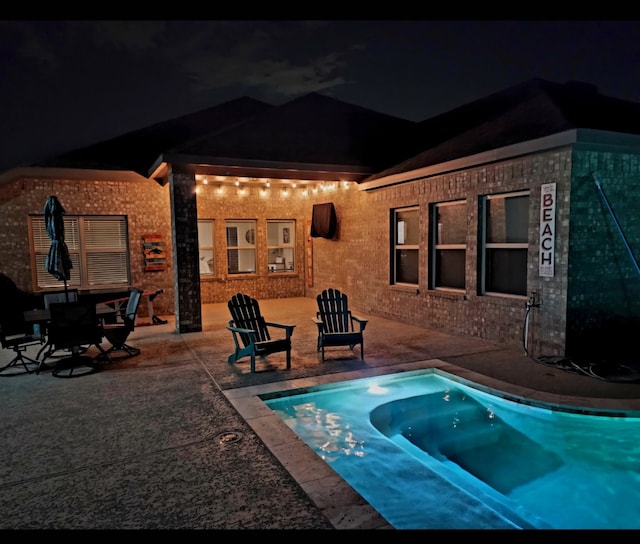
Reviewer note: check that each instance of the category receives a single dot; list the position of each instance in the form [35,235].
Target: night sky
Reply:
[67,84]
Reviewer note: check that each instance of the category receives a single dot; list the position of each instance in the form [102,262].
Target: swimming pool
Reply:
[429,450]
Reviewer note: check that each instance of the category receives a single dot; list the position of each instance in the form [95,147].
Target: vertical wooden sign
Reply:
[153,249]
[547,229]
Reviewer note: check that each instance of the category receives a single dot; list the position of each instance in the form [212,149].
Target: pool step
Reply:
[451,426]
[427,414]
[452,441]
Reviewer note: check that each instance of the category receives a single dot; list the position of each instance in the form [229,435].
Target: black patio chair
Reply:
[18,337]
[53,297]
[336,324]
[72,326]
[117,333]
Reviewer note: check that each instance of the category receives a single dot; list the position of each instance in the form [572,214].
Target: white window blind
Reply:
[98,247]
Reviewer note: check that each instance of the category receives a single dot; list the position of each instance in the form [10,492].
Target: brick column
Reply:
[184,231]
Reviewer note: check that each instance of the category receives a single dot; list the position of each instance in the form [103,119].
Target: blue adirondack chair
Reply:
[251,332]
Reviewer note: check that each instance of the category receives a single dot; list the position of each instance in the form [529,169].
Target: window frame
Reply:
[242,245]
[486,247]
[398,246]
[435,281]
[204,250]
[88,253]
[283,248]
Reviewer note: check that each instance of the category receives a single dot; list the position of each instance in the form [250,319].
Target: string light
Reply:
[262,186]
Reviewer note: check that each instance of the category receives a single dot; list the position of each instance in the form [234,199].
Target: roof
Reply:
[137,150]
[314,130]
[530,110]
[307,137]
[316,136]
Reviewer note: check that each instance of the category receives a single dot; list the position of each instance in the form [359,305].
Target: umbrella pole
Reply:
[66,293]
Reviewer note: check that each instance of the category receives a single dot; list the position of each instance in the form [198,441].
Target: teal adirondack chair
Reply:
[251,332]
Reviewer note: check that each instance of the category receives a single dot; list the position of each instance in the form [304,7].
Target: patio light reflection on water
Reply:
[376,389]
[331,436]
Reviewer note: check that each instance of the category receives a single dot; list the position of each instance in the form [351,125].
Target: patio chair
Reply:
[72,326]
[71,295]
[251,332]
[117,333]
[53,297]
[15,337]
[336,324]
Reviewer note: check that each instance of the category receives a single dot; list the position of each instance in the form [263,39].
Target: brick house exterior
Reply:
[589,307]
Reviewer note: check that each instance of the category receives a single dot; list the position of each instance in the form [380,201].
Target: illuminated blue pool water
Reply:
[429,450]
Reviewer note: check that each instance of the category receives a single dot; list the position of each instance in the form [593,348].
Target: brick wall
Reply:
[144,202]
[358,263]
[604,283]
[595,287]
[230,203]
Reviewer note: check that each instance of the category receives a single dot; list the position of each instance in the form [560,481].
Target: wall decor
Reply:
[153,249]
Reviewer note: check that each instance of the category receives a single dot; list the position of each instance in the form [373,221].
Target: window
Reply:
[241,247]
[505,231]
[449,245]
[205,246]
[98,246]
[406,237]
[280,246]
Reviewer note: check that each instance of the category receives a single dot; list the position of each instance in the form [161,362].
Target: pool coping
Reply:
[342,505]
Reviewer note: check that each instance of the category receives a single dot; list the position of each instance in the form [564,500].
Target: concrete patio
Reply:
[176,437]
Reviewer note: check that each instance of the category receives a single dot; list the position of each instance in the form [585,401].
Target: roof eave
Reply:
[560,139]
[69,173]
[224,166]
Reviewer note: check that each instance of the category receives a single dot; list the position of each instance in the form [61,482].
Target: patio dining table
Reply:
[43,316]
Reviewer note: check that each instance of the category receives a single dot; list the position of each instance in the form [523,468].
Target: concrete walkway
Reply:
[176,437]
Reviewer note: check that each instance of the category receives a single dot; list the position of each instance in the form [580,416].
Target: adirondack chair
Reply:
[251,333]
[336,324]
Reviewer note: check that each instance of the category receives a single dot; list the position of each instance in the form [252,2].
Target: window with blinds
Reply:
[98,247]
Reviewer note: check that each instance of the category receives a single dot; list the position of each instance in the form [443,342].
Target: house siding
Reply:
[362,265]
[591,301]
[252,205]
[145,203]
[603,293]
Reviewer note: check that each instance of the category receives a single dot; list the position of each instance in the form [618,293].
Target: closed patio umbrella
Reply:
[58,262]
